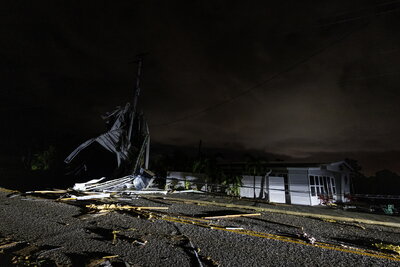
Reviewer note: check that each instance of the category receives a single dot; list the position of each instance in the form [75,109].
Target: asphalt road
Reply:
[55,233]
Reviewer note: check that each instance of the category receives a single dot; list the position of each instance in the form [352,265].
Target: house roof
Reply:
[236,166]
[283,164]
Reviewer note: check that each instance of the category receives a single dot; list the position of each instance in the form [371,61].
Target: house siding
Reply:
[299,187]
[247,188]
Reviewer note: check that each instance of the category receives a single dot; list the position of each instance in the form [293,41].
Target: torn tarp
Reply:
[129,139]
[116,140]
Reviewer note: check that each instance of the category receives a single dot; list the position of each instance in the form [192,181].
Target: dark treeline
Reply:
[43,166]
[384,182]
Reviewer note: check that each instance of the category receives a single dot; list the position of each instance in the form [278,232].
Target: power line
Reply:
[271,78]
[364,16]
[289,68]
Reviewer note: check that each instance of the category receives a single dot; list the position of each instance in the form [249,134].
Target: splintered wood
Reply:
[232,216]
[113,207]
[48,192]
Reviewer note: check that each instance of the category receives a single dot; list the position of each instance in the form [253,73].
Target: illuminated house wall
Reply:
[290,183]
[303,184]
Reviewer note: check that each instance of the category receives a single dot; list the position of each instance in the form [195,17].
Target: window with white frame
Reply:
[322,185]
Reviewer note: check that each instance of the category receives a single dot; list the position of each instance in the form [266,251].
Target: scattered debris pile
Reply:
[128,137]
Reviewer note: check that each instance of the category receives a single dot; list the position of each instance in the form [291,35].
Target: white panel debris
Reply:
[137,182]
[82,186]
[95,196]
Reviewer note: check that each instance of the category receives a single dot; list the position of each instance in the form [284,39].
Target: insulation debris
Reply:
[139,242]
[308,238]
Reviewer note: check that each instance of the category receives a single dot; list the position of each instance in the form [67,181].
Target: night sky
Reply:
[312,80]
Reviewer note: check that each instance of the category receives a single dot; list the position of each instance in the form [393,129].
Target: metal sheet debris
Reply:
[116,140]
[128,138]
[82,186]
[139,182]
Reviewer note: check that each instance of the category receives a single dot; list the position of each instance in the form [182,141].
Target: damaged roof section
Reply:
[119,138]
[128,138]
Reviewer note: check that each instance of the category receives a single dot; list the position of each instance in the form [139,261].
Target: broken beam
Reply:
[110,207]
[232,216]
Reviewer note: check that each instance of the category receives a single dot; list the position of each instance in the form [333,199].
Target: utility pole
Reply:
[136,91]
[146,142]
[138,76]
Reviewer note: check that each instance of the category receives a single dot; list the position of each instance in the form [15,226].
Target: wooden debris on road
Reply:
[87,197]
[111,257]
[389,247]
[47,192]
[329,220]
[234,228]
[344,223]
[10,245]
[232,216]
[115,232]
[113,207]
[287,212]
[279,223]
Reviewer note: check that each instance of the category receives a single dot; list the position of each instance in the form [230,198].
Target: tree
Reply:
[359,183]
[254,167]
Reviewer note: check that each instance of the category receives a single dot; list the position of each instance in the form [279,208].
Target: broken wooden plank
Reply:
[287,212]
[232,216]
[111,257]
[234,228]
[111,207]
[47,192]
[389,247]
[87,197]
[10,245]
[151,208]
[279,223]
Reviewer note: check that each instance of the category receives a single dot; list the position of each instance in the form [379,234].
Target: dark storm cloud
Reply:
[73,61]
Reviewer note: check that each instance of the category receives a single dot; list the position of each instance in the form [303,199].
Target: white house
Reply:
[304,184]
[283,182]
